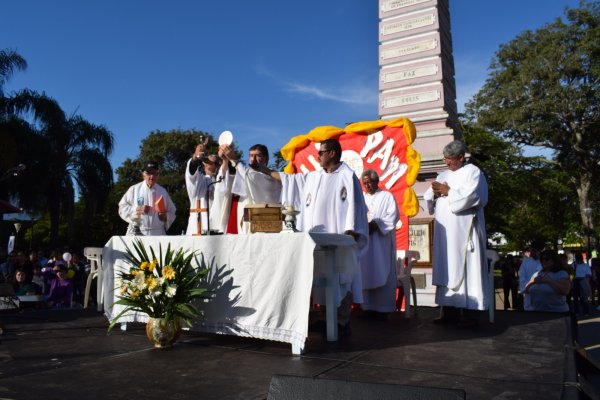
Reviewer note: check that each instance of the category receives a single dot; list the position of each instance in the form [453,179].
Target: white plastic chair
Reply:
[405,279]
[94,256]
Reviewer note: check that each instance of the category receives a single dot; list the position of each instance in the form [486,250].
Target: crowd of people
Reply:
[57,278]
[544,280]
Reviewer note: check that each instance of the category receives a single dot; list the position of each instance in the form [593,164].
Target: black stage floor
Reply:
[68,354]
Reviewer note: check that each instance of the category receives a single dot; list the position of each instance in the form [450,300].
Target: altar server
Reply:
[457,198]
[378,263]
[139,204]
[330,200]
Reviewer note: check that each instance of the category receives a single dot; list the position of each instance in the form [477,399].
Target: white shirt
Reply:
[141,194]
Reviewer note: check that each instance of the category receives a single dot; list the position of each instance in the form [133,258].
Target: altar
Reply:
[260,283]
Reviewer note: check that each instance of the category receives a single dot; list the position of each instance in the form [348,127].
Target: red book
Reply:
[160,205]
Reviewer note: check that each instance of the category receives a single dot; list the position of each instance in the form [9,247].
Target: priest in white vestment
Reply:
[378,263]
[138,204]
[330,200]
[252,183]
[460,270]
[196,183]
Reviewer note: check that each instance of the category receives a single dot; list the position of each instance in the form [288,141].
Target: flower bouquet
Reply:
[162,286]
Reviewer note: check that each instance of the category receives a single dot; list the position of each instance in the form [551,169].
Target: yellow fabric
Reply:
[407,127]
[321,133]
[365,127]
[297,142]
[413,159]
[410,204]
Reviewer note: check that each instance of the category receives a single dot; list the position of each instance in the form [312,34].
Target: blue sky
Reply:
[266,70]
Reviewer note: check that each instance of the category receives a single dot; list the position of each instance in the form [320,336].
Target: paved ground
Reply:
[68,354]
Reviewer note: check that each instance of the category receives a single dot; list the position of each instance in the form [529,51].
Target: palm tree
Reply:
[62,153]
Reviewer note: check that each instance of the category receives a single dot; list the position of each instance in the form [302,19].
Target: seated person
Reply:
[22,287]
[549,287]
[61,289]
[39,279]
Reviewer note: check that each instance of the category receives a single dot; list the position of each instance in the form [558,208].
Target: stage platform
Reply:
[68,354]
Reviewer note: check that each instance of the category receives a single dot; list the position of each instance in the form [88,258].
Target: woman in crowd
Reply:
[549,287]
[22,287]
[61,289]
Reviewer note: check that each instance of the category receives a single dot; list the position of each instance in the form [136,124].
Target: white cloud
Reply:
[355,94]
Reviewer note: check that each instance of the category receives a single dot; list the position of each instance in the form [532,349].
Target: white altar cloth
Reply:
[261,283]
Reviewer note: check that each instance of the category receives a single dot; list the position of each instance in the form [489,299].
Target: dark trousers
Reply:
[510,292]
[579,298]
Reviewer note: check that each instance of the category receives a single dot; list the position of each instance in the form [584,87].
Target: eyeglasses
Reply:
[320,152]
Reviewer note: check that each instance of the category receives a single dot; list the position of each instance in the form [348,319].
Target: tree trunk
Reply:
[583,192]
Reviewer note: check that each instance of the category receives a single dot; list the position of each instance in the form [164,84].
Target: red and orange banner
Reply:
[384,146]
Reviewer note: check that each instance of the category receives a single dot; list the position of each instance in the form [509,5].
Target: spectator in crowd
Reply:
[22,286]
[61,289]
[510,281]
[7,268]
[548,288]
[595,281]
[581,286]
[41,256]
[529,266]
[39,279]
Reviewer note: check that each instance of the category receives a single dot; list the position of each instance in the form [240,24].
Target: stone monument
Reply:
[416,80]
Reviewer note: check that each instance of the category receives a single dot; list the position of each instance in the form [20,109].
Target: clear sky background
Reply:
[267,70]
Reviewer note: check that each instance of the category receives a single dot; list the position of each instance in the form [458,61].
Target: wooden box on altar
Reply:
[263,217]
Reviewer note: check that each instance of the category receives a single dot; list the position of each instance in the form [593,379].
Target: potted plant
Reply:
[162,286]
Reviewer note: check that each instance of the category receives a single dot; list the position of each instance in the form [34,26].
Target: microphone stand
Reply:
[219,179]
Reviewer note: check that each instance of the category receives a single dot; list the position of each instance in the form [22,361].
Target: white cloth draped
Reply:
[260,283]
[459,245]
[141,194]
[378,263]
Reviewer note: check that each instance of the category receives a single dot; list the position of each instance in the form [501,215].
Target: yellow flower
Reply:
[168,272]
[144,265]
[135,294]
[151,282]
[124,289]
[153,265]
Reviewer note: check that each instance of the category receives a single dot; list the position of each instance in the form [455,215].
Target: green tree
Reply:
[171,150]
[529,198]
[544,90]
[62,153]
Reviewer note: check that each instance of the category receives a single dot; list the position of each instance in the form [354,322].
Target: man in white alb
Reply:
[378,263]
[457,198]
[253,184]
[138,204]
[330,200]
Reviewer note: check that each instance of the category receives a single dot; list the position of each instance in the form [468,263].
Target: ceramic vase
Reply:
[163,333]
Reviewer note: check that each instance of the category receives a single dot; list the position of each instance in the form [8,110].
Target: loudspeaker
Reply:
[288,387]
